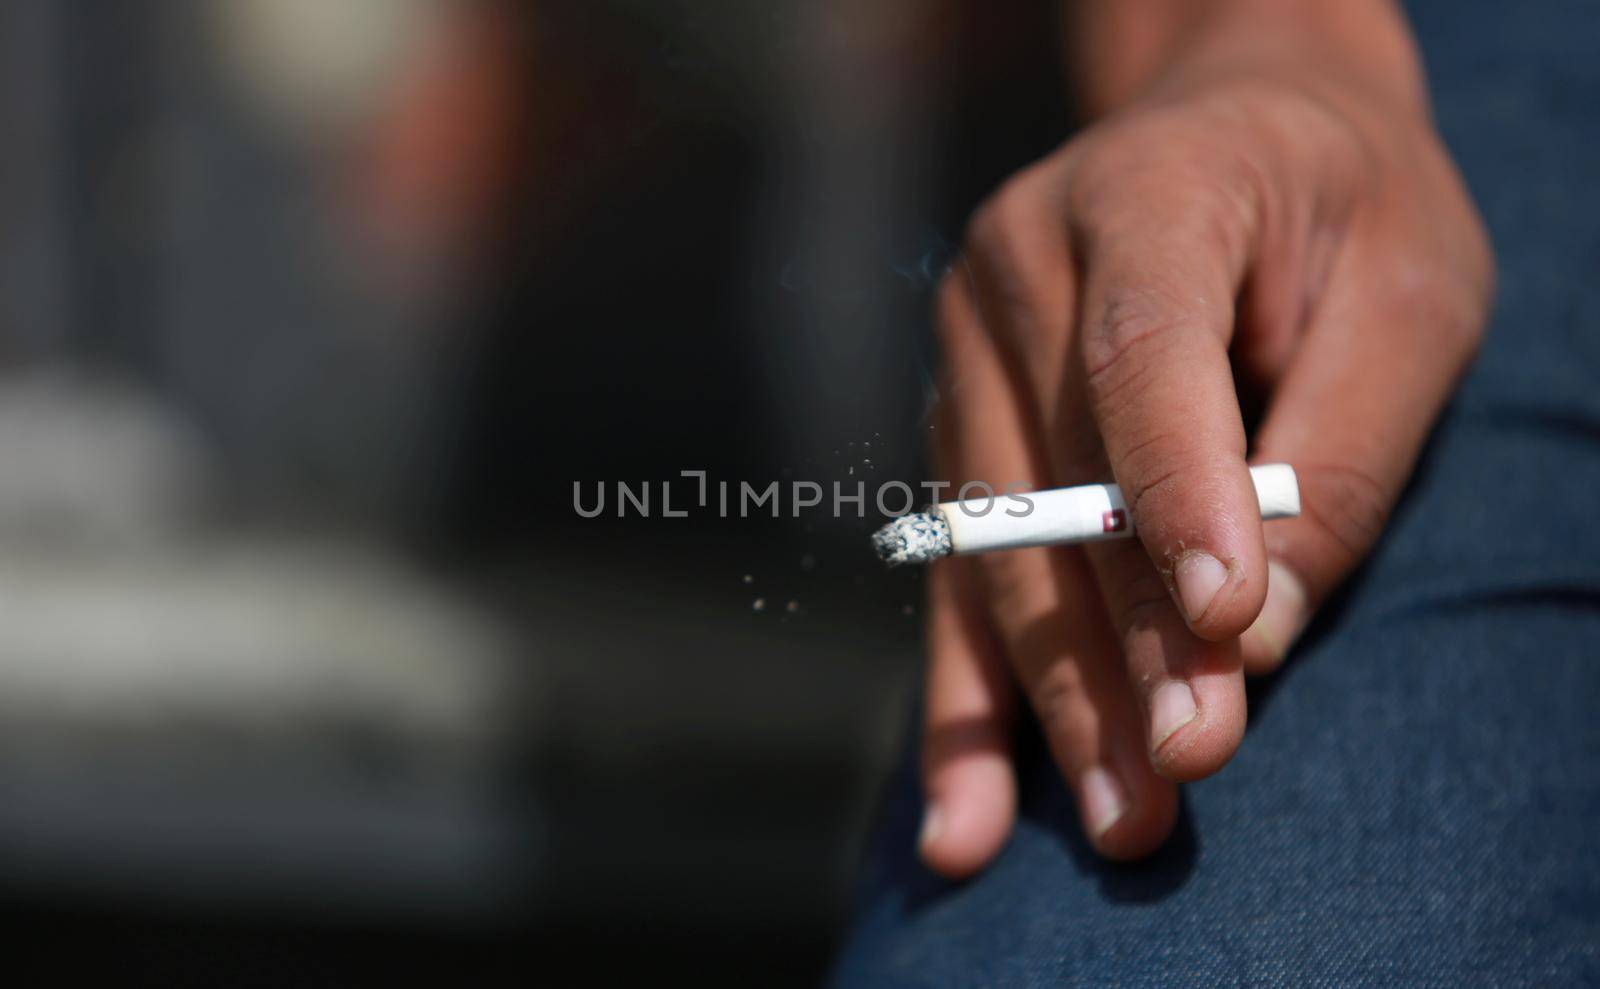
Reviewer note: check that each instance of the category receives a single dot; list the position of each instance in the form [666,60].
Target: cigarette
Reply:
[1059,517]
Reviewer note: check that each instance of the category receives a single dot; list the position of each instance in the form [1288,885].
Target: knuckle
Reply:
[985,230]
[1157,279]
[1158,178]
[1100,167]
[1442,303]
[1019,265]
[997,225]
[1135,324]
[1109,200]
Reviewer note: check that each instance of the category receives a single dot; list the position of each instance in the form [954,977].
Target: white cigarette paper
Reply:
[1083,514]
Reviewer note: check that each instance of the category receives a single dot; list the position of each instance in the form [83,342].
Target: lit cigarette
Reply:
[1064,516]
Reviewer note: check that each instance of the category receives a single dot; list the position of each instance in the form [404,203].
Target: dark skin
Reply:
[1262,206]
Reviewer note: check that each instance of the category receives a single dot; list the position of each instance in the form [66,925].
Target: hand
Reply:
[1257,225]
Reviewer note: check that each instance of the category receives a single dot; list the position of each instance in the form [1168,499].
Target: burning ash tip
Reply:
[918,538]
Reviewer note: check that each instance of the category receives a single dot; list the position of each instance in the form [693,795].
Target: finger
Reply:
[1192,694]
[1191,689]
[1046,611]
[1022,274]
[1156,319]
[1066,657]
[969,788]
[1351,414]
[1157,315]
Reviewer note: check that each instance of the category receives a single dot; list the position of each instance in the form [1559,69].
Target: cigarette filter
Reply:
[1062,516]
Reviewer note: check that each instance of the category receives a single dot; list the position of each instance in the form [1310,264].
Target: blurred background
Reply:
[311,315]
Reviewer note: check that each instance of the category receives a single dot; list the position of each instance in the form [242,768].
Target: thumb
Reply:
[1351,414]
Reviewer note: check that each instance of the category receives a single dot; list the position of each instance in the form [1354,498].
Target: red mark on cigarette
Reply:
[1115,520]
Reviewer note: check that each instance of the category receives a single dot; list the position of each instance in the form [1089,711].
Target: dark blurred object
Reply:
[311,315]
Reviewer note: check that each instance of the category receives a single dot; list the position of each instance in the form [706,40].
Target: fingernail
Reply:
[1284,614]
[1104,802]
[1199,576]
[932,824]
[1171,707]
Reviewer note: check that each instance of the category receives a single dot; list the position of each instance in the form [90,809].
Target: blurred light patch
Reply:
[196,710]
[317,68]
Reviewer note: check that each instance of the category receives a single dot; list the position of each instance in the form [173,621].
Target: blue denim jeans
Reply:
[1417,799]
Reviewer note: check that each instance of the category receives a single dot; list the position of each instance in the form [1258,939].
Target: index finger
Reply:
[1157,316]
